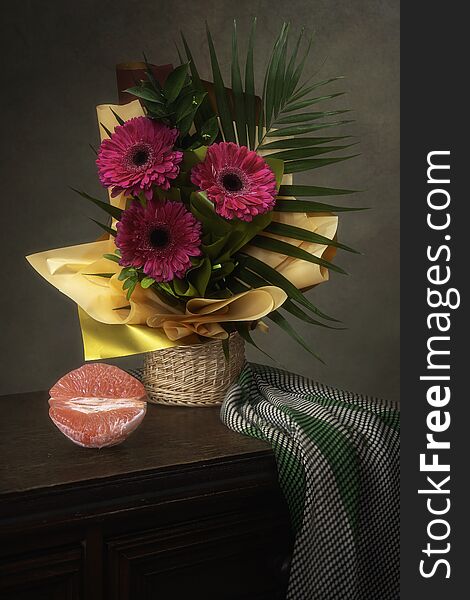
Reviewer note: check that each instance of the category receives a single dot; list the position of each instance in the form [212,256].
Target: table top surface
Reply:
[34,454]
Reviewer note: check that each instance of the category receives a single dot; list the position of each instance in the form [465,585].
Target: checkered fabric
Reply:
[338,461]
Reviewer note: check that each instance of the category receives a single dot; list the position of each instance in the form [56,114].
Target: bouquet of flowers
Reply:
[206,236]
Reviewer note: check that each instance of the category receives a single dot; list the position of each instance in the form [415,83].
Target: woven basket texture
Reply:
[196,375]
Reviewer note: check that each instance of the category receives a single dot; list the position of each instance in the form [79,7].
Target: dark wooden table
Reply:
[185,508]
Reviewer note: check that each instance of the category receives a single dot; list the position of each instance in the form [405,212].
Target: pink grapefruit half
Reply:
[97,405]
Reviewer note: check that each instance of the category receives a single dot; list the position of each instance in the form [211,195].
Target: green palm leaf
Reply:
[115,212]
[301,142]
[250,99]
[255,281]
[284,205]
[280,247]
[287,327]
[223,106]
[312,190]
[303,91]
[288,87]
[310,102]
[295,166]
[273,277]
[301,129]
[237,89]
[298,153]
[106,228]
[205,111]
[308,117]
[297,233]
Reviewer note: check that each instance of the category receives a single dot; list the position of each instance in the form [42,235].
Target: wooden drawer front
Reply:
[228,558]
[52,575]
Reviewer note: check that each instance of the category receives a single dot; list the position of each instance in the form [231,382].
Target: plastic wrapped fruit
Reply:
[97,405]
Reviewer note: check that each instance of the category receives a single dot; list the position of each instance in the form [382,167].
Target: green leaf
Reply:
[127,272]
[110,133]
[147,282]
[250,99]
[131,281]
[300,142]
[287,327]
[255,281]
[131,288]
[310,102]
[199,276]
[237,89]
[273,90]
[305,206]
[220,93]
[145,93]
[203,209]
[294,310]
[300,129]
[299,153]
[280,247]
[180,56]
[312,190]
[193,157]
[281,74]
[205,111]
[175,82]
[114,257]
[192,65]
[288,89]
[106,228]
[152,80]
[277,167]
[184,288]
[117,117]
[105,275]
[214,249]
[296,166]
[297,233]
[188,105]
[300,67]
[115,212]
[303,91]
[244,330]
[308,116]
[157,111]
[210,130]
[273,277]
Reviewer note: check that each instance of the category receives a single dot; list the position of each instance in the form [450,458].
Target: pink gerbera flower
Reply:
[237,180]
[139,154]
[160,237]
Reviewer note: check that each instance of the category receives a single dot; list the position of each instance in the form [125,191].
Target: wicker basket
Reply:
[196,375]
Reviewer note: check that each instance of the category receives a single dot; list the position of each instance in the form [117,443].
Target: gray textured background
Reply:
[59,62]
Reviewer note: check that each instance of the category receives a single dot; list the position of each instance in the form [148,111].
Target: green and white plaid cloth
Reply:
[338,461]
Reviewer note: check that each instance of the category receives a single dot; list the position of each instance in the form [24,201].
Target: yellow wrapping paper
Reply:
[203,316]
[114,326]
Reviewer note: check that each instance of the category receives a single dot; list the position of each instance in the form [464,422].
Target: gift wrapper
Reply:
[101,340]
[113,326]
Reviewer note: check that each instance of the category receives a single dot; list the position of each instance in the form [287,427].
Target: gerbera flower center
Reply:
[159,237]
[139,156]
[232,182]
